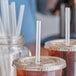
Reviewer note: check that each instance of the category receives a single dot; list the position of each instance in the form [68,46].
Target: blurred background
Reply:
[52,15]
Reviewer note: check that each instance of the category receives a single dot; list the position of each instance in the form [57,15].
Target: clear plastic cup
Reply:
[59,49]
[49,66]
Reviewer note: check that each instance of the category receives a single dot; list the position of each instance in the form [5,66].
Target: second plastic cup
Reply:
[49,66]
[59,49]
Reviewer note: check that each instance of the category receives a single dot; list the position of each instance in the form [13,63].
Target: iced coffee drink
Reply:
[49,66]
[59,49]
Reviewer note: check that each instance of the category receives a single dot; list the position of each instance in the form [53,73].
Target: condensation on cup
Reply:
[49,66]
[58,48]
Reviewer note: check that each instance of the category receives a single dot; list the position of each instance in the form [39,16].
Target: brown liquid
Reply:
[38,73]
[70,57]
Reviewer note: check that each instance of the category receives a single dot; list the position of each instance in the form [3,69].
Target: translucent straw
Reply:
[1,27]
[67,26]
[13,17]
[7,16]
[62,20]
[20,18]
[3,71]
[38,39]
[5,12]
[6,61]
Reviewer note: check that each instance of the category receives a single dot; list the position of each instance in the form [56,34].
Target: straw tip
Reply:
[67,8]
[23,5]
[38,21]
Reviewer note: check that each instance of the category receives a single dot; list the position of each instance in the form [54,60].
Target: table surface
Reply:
[32,47]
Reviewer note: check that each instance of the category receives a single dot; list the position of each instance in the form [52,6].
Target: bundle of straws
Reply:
[9,26]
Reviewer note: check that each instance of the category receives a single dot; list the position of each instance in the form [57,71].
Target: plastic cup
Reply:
[49,66]
[59,49]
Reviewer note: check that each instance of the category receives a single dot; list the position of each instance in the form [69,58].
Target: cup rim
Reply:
[51,64]
[59,44]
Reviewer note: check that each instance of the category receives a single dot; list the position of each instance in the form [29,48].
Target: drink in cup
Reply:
[48,66]
[59,49]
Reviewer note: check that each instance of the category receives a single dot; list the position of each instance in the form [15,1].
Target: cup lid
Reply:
[60,45]
[47,63]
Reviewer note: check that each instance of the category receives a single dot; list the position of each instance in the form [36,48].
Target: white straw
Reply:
[13,17]
[5,14]
[3,71]
[38,39]
[1,25]
[20,19]
[62,20]
[67,26]
[6,61]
